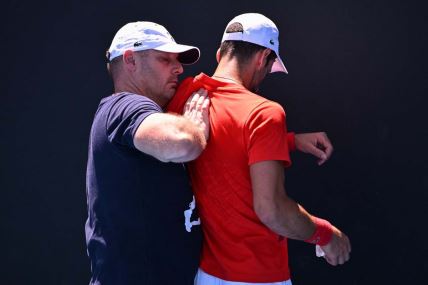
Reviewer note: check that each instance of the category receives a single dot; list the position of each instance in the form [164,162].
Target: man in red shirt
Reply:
[238,180]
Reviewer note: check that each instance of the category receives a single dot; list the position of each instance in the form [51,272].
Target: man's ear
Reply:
[128,59]
[262,57]
[266,54]
[217,55]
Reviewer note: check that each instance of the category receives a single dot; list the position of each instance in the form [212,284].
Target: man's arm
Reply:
[173,138]
[286,217]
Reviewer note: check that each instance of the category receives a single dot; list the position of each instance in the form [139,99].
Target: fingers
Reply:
[342,259]
[205,108]
[325,144]
[317,153]
[348,249]
[206,103]
[201,99]
[347,256]
[316,144]
[195,103]
[197,110]
[331,261]
[344,256]
[336,260]
[193,100]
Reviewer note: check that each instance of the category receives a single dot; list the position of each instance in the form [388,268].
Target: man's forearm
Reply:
[169,138]
[291,220]
[191,145]
[272,205]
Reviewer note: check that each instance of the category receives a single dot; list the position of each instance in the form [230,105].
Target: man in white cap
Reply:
[238,180]
[140,230]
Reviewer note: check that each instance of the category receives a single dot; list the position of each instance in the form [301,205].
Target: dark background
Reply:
[358,70]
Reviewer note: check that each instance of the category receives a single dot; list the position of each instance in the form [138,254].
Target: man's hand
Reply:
[197,110]
[338,250]
[316,144]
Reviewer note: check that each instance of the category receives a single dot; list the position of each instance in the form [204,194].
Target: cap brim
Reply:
[278,66]
[187,54]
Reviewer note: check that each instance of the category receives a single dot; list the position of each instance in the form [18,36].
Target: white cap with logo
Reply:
[138,36]
[259,30]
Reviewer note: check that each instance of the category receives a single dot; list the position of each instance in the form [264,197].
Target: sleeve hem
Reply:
[285,160]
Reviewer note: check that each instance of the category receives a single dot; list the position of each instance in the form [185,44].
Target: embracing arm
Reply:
[173,138]
[169,138]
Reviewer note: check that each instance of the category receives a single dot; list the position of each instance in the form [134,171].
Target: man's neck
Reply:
[230,71]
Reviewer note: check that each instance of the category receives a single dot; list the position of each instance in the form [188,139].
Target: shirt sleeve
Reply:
[266,134]
[126,115]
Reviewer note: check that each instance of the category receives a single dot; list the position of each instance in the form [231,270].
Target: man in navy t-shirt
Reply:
[141,226]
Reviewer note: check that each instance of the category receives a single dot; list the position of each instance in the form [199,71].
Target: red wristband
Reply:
[291,141]
[323,232]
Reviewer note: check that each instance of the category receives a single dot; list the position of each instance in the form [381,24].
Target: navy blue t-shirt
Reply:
[135,231]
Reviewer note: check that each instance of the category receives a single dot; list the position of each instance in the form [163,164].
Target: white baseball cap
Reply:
[259,30]
[138,36]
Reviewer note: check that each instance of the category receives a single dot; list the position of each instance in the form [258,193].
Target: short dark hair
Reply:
[113,66]
[240,49]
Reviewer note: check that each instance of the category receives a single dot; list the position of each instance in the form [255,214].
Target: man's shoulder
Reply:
[126,96]
[259,103]
[260,109]
[126,100]
[123,107]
